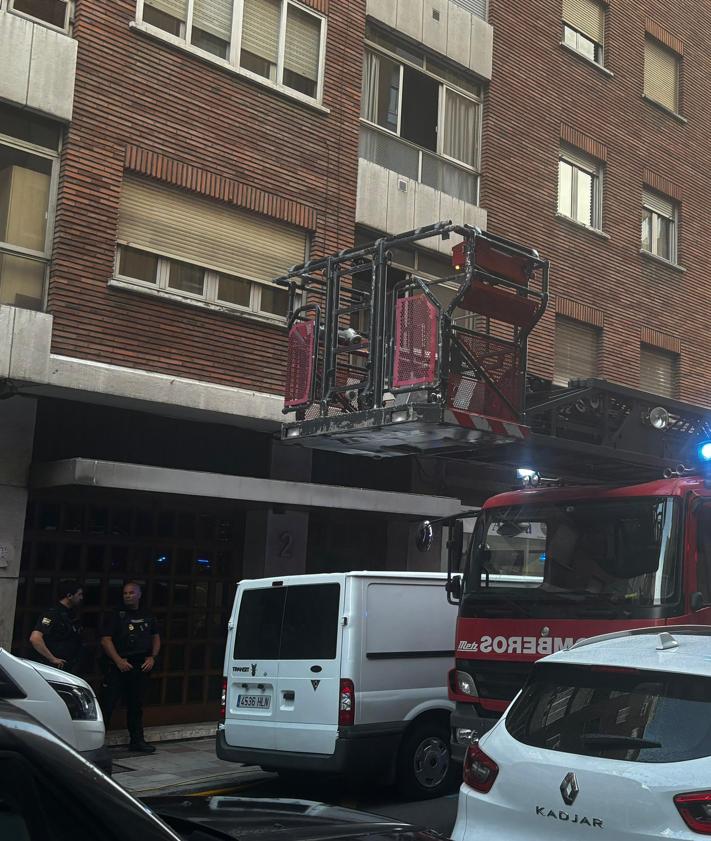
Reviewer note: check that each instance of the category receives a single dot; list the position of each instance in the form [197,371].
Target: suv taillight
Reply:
[480,770]
[223,700]
[695,808]
[346,703]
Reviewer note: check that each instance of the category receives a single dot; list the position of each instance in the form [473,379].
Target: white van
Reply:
[344,673]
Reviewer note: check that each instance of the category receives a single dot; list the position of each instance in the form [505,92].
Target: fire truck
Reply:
[612,529]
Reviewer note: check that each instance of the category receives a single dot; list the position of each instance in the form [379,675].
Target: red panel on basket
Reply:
[513,267]
[300,368]
[416,336]
[497,303]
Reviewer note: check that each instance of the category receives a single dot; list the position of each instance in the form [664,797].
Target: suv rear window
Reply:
[288,623]
[627,714]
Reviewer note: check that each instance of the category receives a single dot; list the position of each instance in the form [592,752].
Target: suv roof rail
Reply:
[700,630]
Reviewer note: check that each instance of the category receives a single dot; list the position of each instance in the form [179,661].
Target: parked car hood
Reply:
[277,819]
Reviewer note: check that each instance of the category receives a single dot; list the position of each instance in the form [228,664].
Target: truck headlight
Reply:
[80,701]
[464,683]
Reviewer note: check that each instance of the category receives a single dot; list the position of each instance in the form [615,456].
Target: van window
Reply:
[288,623]
[628,714]
[261,613]
[310,622]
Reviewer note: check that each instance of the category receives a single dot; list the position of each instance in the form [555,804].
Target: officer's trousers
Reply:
[129,687]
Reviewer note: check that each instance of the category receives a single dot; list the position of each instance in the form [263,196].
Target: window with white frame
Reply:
[53,12]
[584,28]
[435,110]
[190,247]
[29,161]
[659,215]
[661,74]
[579,188]
[277,41]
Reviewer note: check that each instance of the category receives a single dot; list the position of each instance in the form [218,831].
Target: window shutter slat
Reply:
[174,8]
[206,233]
[657,371]
[586,16]
[214,17]
[261,20]
[579,159]
[576,350]
[658,204]
[302,43]
[660,74]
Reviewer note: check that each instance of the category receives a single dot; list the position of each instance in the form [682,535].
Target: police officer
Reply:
[131,643]
[57,637]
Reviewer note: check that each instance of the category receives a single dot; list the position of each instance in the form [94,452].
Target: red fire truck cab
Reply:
[546,567]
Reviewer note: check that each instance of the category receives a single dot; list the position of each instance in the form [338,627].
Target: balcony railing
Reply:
[418,164]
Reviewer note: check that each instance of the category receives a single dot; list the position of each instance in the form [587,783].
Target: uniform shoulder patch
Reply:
[46,620]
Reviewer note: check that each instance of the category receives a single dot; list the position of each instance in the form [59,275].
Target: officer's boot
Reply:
[141,745]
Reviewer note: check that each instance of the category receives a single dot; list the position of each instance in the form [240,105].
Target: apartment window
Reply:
[661,74]
[200,250]
[53,12]
[436,112]
[28,167]
[277,41]
[577,350]
[658,371]
[584,28]
[579,188]
[659,216]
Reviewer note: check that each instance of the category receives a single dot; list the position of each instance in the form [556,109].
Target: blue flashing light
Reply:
[203,562]
[705,451]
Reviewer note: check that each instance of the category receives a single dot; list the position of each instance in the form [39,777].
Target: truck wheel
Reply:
[425,768]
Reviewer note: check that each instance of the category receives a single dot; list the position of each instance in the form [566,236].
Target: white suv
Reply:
[62,702]
[613,734]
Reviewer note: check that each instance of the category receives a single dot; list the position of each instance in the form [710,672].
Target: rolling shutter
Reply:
[576,350]
[214,17]
[206,233]
[657,371]
[660,74]
[303,43]
[261,21]
[174,8]
[658,204]
[585,16]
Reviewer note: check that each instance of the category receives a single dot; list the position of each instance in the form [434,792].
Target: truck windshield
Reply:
[617,558]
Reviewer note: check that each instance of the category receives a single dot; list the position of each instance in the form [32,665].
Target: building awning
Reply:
[140,477]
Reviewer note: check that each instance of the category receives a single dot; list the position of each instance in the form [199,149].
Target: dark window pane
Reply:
[71,559]
[160,594]
[195,689]
[214,688]
[121,521]
[274,301]
[144,523]
[119,559]
[601,713]
[73,520]
[114,593]
[186,525]
[98,520]
[179,626]
[198,626]
[174,690]
[92,592]
[233,290]
[26,126]
[48,517]
[176,658]
[45,556]
[197,658]
[42,595]
[420,108]
[95,558]
[185,278]
[217,657]
[311,622]
[210,43]
[200,593]
[206,527]
[259,624]
[166,523]
[138,264]
[181,595]
[50,11]
[162,20]
[153,692]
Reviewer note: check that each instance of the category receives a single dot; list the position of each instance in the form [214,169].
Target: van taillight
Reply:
[346,703]
[480,770]
[223,700]
[695,808]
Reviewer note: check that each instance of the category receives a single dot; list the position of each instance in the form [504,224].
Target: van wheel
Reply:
[425,767]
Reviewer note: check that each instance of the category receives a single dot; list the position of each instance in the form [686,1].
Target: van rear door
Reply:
[306,705]
[252,666]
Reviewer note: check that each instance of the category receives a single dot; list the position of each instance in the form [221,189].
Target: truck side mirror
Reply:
[424,536]
[696,601]
[454,589]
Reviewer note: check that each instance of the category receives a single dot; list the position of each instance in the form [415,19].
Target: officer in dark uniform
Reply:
[131,643]
[57,637]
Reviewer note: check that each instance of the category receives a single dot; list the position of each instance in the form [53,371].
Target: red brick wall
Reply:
[539,86]
[280,156]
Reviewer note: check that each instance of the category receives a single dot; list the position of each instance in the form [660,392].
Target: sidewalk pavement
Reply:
[180,767]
